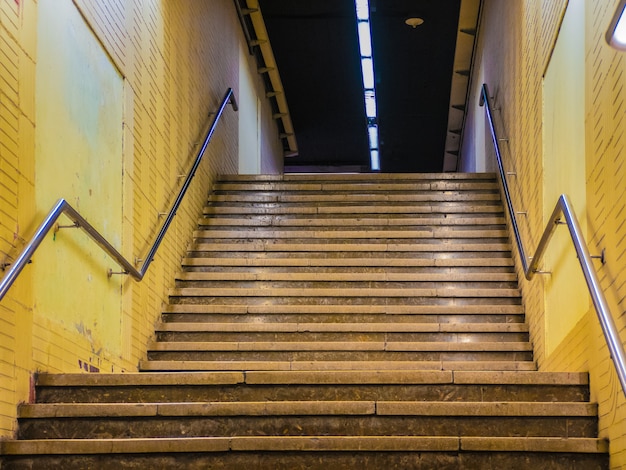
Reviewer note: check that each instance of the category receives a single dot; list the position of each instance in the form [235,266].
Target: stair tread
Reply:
[308,407]
[277,246]
[347,277]
[342,292]
[302,443]
[131,379]
[347,262]
[324,221]
[339,234]
[343,327]
[360,177]
[330,186]
[336,346]
[326,366]
[243,309]
[353,196]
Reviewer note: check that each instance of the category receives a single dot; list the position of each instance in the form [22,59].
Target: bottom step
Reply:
[309,452]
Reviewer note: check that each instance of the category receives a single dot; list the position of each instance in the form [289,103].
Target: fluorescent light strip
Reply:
[369,82]
[370,104]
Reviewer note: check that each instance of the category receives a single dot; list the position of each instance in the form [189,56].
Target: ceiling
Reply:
[421,81]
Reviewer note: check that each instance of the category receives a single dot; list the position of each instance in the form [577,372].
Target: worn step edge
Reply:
[132,379]
[337,346]
[304,444]
[381,209]
[271,246]
[360,177]
[181,327]
[357,186]
[346,292]
[244,309]
[373,186]
[349,262]
[334,366]
[278,221]
[347,277]
[341,234]
[309,408]
[291,197]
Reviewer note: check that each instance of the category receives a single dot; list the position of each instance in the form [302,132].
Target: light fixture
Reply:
[616,34]
[369,82]
[414,22]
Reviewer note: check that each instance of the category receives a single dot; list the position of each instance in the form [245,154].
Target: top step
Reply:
[351,177]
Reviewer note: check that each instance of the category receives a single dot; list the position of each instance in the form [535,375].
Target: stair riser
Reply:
[321,284]
[368,187]
[337,356]
[336,302]
[323,392]
[341,336]
[505,271]
[352,196]
[338,318]
[203,426]
[320,461]
[339,222]
[346,258]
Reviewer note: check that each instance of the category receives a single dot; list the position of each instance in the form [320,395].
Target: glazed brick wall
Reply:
[177,59]
[515,43]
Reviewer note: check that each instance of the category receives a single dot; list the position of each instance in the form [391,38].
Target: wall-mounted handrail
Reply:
[563,209]
[63,207]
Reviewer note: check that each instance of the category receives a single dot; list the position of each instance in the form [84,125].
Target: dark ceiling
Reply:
[316,49]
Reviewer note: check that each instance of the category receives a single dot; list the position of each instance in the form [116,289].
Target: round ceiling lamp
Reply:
[414,22]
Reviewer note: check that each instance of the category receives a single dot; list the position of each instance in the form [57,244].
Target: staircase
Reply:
[337,321]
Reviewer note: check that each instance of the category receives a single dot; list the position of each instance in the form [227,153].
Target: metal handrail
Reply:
[63,207]
[563,209]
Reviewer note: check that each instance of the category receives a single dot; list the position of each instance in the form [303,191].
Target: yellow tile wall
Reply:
[514,45]
[17,148]
[177,59]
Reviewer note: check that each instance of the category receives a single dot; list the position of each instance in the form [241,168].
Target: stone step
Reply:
[349,276]
[365,293]
[336,314]
[372,309]
[308,408]
[353,209]
[321,283]
[302,418]
[369,186]
[316,384]
[282,327]
[318,346]
[230,335]
[357,351]
[291,197]
[410,233]
[389,220]
[364,177]
[381,311]
[322,246]
[303,443]
[335,365]
[348,262]
[316,460]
